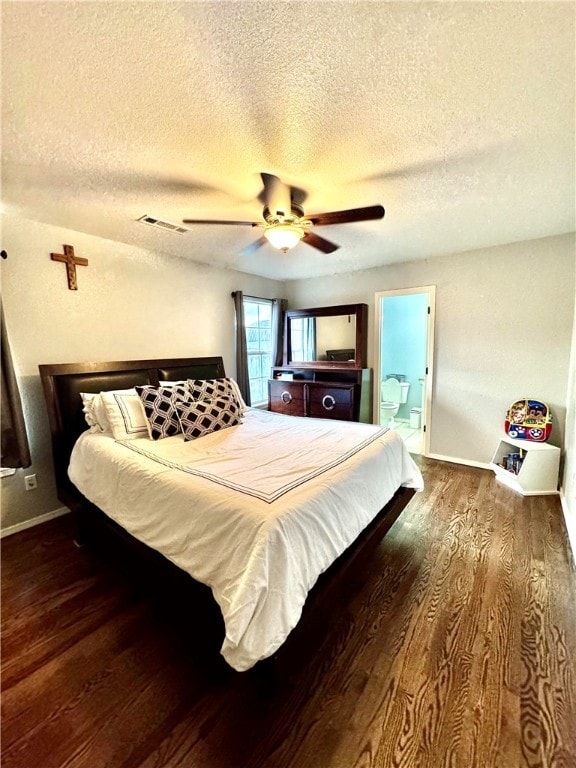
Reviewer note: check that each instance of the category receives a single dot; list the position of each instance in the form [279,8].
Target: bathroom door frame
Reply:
[429,375]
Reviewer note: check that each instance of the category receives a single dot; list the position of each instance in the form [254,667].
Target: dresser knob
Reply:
[328,402]
[286,397]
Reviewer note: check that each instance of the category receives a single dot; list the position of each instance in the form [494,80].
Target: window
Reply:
[258,319]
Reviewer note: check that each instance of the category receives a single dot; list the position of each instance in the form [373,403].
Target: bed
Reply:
[270,513]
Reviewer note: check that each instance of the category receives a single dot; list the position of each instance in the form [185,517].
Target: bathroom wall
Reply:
[404,343]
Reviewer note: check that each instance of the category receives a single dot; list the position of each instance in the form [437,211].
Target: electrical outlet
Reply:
[30,482]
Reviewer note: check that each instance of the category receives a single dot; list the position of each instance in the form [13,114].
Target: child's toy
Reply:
[528,420]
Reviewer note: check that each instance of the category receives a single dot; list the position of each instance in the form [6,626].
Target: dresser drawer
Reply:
[286,397]
[331,402]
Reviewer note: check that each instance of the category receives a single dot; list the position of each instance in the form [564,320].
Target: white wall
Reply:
[130,304]
[504,321]
[569,475]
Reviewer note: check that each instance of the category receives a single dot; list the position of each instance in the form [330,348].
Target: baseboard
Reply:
[454,460]
[570,525]
[34,521]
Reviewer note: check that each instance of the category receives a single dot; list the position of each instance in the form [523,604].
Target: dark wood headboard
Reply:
[63,383]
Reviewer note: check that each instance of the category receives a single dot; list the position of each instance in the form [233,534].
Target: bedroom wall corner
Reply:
[130,304]
[568,484]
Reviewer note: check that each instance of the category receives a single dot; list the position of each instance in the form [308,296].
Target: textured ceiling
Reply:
[457,117]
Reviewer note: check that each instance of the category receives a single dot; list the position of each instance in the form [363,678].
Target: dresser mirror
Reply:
[327,336]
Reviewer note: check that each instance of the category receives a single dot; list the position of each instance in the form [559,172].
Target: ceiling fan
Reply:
[284,221]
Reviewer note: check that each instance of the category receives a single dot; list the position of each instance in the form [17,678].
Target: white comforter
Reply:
[257,511]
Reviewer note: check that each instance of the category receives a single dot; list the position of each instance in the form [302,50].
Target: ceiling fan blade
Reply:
[276,196]
[311,238]
[99,180]
[298,196]
[343,217]
[218,221]
[272,183]
[253,247]
[490,152]
[266,181]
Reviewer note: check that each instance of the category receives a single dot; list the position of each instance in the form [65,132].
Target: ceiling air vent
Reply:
[162,224]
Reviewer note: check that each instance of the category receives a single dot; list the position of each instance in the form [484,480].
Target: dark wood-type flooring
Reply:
[456,649]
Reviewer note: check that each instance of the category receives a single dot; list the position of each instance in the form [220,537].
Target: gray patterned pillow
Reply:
[160,409]
[208,389]
[201,417]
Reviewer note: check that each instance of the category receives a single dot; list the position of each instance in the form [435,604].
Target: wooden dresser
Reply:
[324,373]
[322,393]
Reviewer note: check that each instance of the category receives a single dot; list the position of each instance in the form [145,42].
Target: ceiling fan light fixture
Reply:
[284,236]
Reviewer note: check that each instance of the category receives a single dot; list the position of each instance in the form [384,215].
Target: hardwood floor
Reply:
[456,650]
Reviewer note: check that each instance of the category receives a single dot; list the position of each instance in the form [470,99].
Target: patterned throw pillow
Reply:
[201,417]
[208,389]
[160,409]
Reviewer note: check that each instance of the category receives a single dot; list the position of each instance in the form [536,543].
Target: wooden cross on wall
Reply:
[71,262]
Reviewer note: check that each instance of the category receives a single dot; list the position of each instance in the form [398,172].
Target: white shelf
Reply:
[538,475]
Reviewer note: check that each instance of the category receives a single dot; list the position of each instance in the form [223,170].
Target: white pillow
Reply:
[95,412]
[125,414]
[236,388]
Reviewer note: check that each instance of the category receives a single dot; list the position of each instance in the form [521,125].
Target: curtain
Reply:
[279,307]
[15,448]
[241,348]
[310,338]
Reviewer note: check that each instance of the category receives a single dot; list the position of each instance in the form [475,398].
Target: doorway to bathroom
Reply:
[403,363]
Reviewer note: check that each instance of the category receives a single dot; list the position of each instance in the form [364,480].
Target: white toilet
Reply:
[392,394]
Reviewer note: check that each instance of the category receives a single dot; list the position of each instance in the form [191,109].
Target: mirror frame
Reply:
[360,312]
